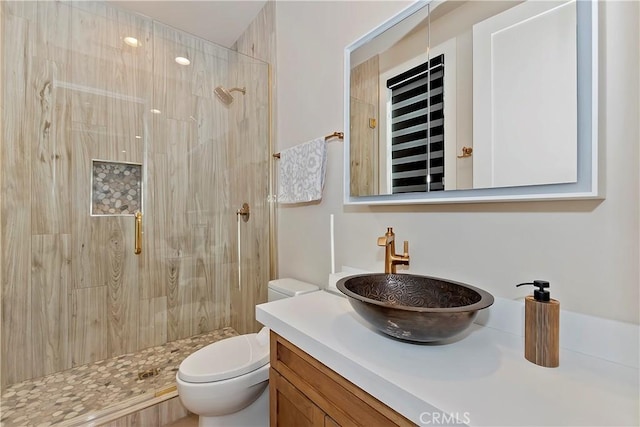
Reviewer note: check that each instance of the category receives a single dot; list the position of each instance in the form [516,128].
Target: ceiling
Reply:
[221,22]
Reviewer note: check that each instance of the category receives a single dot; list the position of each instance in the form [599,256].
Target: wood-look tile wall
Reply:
[363,146]
[2,26]
[72,289]
[161,414]
[258,41]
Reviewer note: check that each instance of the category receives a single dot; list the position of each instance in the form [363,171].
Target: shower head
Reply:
[225,96]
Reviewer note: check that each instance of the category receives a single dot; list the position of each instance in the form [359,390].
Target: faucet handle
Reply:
[388,237]
[406,248]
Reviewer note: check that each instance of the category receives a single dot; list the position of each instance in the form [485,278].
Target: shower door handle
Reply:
[138,237]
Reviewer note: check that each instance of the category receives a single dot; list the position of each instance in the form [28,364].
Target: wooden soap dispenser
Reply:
[541,326]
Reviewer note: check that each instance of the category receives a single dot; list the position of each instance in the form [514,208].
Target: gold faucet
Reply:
[391,259]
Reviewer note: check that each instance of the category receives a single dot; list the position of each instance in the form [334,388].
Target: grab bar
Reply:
[138,238]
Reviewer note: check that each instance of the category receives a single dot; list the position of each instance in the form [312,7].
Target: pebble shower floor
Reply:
[63,396]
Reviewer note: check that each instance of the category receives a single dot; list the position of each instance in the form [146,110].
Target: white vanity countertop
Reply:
[482,377]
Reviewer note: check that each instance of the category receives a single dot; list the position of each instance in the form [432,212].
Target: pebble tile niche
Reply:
[117,188]
[63,396]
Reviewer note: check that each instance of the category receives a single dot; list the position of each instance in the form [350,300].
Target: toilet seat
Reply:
[225,359]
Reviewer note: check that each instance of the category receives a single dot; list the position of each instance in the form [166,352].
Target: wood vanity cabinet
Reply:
[304,392]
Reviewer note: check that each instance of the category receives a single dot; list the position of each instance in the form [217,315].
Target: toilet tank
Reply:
[285,288]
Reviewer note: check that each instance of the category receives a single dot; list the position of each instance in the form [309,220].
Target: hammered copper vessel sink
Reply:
[414,308]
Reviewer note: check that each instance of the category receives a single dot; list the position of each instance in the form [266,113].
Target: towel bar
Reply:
[339,135]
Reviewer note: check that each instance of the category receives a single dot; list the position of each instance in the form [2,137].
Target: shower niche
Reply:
[116,188]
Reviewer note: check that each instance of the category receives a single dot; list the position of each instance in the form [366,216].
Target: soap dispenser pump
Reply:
[541,326]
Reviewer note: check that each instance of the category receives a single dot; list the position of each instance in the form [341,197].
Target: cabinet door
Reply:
[345,403]
[330,422]
[289,407]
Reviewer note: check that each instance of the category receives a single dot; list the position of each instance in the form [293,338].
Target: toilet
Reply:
[225,383]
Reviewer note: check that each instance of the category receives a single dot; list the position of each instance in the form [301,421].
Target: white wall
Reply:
[589,250]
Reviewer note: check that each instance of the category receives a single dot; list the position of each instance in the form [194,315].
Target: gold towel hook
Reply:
[466,152]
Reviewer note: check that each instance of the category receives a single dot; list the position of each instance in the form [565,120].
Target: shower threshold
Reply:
[101,391]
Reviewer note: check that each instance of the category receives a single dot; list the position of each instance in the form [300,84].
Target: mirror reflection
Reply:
[466,95]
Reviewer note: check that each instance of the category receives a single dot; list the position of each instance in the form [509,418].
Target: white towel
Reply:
[302,171]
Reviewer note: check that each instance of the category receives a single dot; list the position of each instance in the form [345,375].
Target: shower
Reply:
[225,94]
[92,298]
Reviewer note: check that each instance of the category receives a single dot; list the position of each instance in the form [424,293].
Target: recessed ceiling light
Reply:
[182,60]
[138,137]
[155,111]
[132,41]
